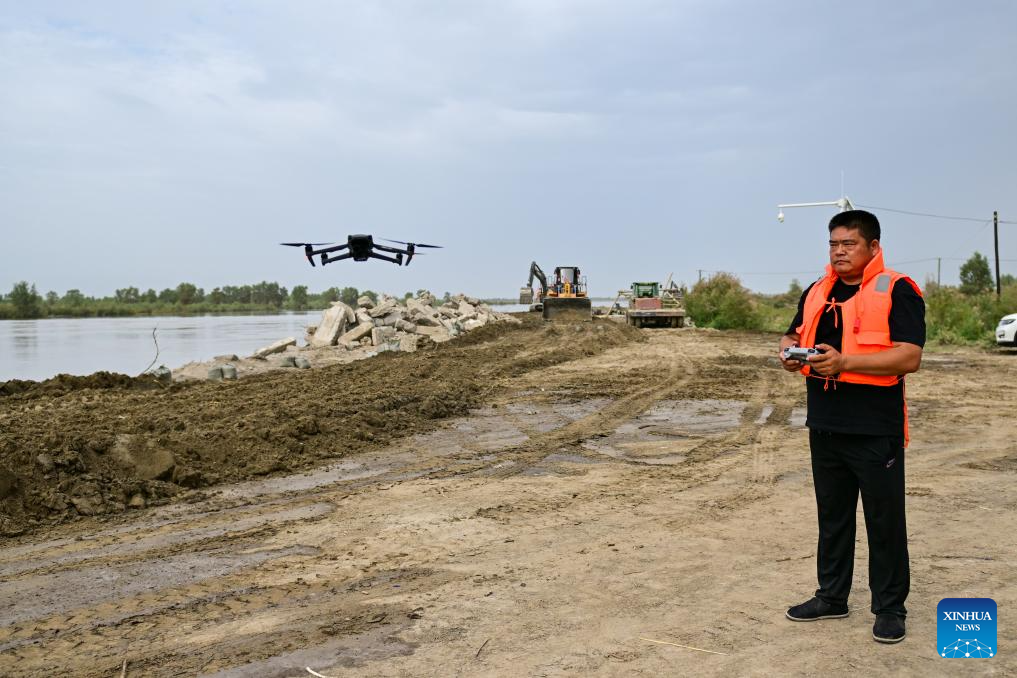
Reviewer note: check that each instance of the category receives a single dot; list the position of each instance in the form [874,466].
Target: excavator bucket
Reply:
[525,295]
[568,309]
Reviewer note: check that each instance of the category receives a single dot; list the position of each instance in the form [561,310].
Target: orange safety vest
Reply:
[866,318]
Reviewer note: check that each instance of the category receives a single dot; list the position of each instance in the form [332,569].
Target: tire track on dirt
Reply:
[600,423]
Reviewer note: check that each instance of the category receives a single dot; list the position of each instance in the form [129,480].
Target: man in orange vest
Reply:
[869,324]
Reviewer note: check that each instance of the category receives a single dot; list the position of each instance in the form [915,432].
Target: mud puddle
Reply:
[228,523]
[39,596]
[667,432]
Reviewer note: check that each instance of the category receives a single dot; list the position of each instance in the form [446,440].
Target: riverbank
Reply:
[529,499]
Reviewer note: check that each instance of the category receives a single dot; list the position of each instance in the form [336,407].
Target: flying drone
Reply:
[359,248]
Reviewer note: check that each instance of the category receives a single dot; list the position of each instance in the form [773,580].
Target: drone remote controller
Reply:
[799,353]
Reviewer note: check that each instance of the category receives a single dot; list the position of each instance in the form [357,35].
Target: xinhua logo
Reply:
[966,628]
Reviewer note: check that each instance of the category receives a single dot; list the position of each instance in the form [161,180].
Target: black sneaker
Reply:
[889,628]
[816,609]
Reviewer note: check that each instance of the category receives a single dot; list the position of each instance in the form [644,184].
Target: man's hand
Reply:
[829,363]
[787,341]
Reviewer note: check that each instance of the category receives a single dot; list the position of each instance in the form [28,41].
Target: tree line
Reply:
[24,300]
[961,314]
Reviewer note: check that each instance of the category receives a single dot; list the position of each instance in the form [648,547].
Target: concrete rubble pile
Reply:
[391,325]
[345,334]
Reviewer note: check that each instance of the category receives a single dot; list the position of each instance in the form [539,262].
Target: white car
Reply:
[1006,331]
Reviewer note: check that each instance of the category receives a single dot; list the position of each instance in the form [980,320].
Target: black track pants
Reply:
[842,466]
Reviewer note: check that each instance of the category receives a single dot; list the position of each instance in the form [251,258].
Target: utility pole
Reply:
[995,237]
[700,275]
[939,263]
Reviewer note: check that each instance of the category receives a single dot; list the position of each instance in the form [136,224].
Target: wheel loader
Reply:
[565,299]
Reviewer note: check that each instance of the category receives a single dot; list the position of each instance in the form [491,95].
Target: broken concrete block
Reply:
[301,362]
[287,361]
[333,323]
[364,301]
[215,374]
[430,321]
[277,347]
[381,335]
[466,308]
[383,308]
[408,343]
[405,326]
[437,334]
[418,306]
[357,333]
[471,325]
[229,372]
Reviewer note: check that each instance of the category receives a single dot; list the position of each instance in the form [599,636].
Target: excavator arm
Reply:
[526,293]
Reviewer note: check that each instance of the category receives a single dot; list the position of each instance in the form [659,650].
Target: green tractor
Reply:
[650,305]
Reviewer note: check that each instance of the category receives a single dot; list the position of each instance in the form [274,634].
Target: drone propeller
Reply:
[411,244]
[308,248]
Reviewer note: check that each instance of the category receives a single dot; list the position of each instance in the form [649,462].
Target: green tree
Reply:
[269,294]
[168,296]
[216,296]
[349,296]
[74,298]
[187,293]
[25,299]
[150,296]
[298,297]
[127,295]
[52,298]
[794,292]
[721,302]
[975,276]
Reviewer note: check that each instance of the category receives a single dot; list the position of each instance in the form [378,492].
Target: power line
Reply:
[818,272]
[930,215]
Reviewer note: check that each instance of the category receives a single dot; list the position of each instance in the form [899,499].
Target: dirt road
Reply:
[544,514]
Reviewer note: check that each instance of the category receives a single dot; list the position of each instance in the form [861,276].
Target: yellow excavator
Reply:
[565,299]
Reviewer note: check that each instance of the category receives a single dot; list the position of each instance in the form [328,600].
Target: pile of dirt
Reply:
[66,383]
[100,445]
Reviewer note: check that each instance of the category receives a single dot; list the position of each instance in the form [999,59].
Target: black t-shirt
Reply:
[862,408]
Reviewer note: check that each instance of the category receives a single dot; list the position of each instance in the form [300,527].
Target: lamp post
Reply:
[844,203]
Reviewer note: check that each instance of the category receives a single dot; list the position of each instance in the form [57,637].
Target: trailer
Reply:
[650,305]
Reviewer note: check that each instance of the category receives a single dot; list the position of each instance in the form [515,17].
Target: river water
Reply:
[39,349]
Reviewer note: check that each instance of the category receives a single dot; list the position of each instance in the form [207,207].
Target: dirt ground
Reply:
[528,500]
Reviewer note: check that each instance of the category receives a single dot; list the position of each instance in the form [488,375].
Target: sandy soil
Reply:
[548,510]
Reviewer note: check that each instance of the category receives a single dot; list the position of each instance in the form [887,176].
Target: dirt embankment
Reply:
[105,443]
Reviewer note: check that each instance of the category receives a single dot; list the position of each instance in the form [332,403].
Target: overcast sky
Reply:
[148,143]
